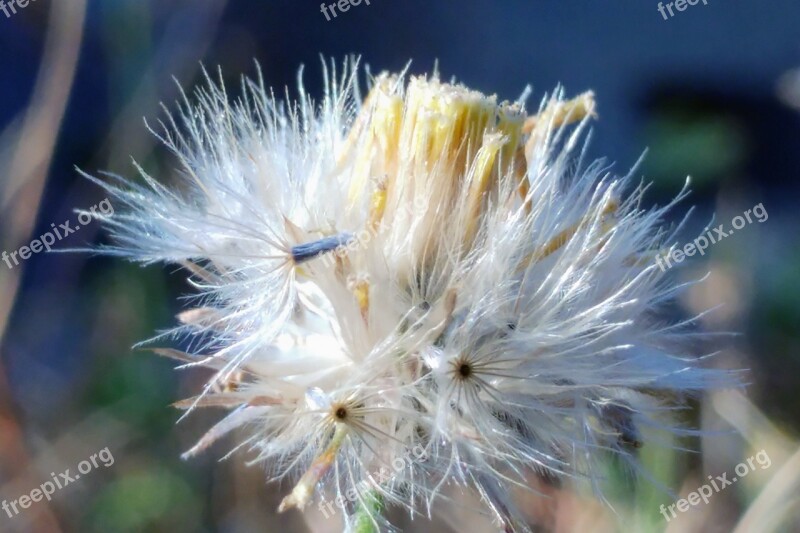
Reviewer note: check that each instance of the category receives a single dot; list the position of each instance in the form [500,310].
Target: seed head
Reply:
[425,269]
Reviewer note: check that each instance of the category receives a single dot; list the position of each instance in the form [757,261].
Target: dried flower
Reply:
[429,269]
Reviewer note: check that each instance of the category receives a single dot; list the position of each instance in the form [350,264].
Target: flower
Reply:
[427,269]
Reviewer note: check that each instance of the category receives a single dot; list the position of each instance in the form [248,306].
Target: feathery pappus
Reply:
[423,268]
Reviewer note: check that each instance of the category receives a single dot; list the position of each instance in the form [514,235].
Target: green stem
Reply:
[366,512]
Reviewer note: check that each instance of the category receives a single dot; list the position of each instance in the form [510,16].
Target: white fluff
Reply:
[496,303]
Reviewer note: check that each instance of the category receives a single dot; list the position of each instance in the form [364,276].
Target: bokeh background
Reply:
[713,92]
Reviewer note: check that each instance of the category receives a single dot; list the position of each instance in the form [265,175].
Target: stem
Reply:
[304,489]
[366,513]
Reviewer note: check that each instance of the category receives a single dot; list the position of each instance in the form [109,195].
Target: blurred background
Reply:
[712,92]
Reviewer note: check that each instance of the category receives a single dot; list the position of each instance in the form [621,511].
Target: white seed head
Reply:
[425,270]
